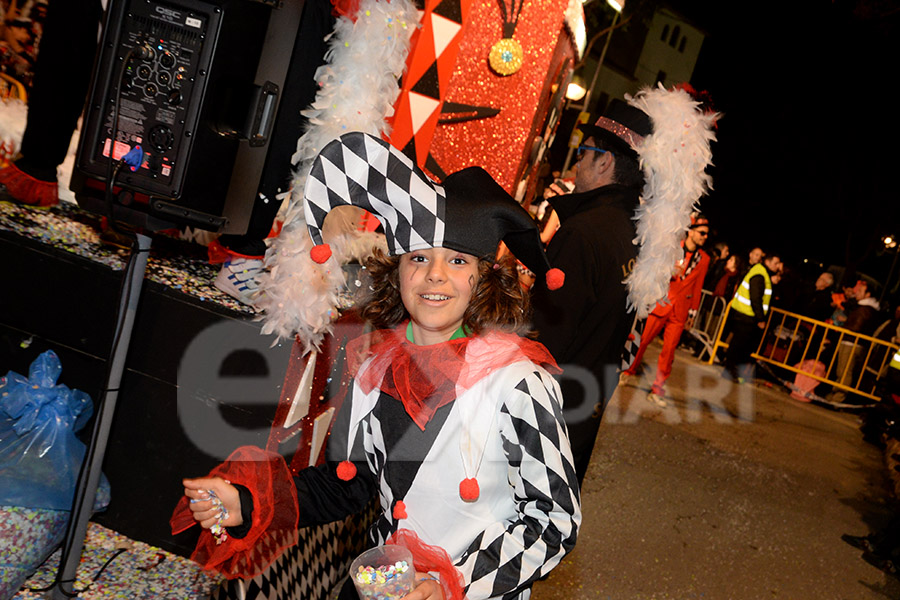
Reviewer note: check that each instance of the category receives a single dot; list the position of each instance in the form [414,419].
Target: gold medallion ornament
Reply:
[506,56]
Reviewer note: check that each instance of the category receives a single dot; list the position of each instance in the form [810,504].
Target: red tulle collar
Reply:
[425,378]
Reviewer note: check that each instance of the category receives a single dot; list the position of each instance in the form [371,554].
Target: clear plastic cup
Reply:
[383,573]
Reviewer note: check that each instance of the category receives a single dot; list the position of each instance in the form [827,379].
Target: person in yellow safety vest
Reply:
[892,385]
[749,309]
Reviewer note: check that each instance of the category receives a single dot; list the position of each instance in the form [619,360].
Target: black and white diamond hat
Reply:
[469,213]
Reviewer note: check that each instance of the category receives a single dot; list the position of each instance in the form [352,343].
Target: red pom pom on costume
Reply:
[399,510]
[346,470]
[320,253]
[468,489]
[555,279]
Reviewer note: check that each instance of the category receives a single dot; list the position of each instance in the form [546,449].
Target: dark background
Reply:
[806,155]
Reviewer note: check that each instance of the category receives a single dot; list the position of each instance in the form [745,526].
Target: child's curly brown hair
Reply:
[498,300]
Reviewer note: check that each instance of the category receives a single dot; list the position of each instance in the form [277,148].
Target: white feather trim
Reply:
[574,22]
[358,86]
[13,115]
[674,159]
[307,296]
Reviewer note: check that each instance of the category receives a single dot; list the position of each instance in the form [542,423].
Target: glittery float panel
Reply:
[546,117]
[173,263]
[499,143]
[141,571]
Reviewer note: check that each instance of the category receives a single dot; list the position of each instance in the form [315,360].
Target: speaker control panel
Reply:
[158,70]
[184,81]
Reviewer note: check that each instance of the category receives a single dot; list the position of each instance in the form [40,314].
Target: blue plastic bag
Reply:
[40,458]
[39,454]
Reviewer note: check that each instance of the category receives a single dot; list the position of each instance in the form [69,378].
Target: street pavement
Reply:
[731,492]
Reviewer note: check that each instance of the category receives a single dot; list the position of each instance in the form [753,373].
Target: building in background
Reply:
[661,47]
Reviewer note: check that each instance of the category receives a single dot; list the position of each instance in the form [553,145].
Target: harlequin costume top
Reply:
[482,408]
[494,415]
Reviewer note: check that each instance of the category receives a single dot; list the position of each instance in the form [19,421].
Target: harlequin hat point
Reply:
[555,278]
[320,253]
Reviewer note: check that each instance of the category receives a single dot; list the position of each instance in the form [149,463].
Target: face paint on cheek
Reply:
[411,269]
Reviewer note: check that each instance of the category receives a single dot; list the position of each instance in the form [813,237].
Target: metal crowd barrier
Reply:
[797,344]
[709,318]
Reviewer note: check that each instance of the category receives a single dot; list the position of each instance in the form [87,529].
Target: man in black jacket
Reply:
[585,327]
[818,303]
[863,318]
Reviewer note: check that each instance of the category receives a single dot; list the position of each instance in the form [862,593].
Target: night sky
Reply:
[806,153]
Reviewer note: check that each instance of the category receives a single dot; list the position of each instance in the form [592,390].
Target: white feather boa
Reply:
[574,22]
[358,86]
[674,159]
[13,115]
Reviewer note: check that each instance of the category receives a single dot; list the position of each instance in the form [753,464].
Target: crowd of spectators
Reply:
[832,296]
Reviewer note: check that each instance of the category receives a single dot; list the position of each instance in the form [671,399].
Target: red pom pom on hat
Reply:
[346,470]
[399,510]
[468,489]
[555,279]
[320,253]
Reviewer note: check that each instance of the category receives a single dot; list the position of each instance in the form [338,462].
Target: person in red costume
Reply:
[677,313]
[454,421]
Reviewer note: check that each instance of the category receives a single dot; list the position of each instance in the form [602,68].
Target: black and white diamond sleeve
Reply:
[507,557]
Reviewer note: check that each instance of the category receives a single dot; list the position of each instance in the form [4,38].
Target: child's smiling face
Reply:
[436,285]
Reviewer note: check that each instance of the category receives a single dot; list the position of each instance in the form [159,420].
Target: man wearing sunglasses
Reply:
[677,313]
[585,328]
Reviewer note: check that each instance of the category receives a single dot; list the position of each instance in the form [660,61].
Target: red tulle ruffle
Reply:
[345,8]
[425,378]
[275,515]
[217,253]
[431,559]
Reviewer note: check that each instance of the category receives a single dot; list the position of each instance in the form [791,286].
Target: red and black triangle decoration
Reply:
[429,68]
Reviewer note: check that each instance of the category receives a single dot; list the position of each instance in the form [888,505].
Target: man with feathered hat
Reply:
[639,174]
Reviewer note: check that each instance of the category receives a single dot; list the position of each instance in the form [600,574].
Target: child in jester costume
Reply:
[454,419]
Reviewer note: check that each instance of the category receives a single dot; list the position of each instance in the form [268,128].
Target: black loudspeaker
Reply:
[188,89]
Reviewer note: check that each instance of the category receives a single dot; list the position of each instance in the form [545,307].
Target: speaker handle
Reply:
[262,117]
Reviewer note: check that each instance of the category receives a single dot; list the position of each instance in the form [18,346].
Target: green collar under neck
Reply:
[459,333]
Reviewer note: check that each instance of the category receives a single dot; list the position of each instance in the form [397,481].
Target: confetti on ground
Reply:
[27,537]
[173,263]
[139,571]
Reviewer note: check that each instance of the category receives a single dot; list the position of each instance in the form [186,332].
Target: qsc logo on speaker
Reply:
[168,13]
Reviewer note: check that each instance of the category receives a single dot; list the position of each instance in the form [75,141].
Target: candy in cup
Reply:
[383,573]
